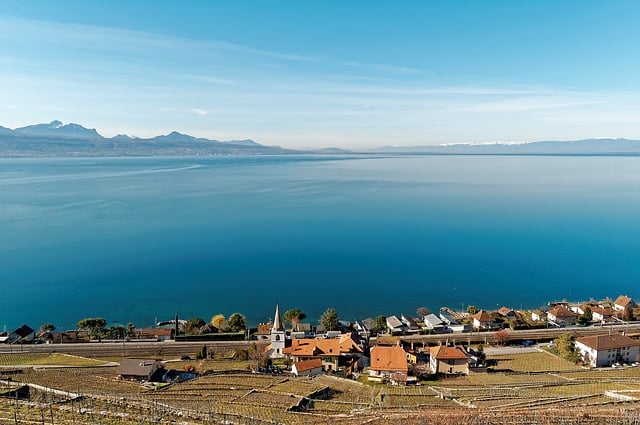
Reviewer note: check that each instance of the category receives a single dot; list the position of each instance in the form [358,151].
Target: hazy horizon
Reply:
[311,75]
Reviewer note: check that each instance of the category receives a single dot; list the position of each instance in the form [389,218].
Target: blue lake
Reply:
[135,239]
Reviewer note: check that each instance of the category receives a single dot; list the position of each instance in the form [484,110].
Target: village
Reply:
[386,348]
[579,355]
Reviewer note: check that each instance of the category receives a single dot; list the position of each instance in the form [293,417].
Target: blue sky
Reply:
[353,74]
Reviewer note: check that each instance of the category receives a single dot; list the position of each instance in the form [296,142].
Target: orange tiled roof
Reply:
[623,301]
[308,365]
[389,358]
[443,352]
[319,346]
[482,316]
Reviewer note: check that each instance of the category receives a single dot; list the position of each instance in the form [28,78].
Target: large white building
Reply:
[604,350]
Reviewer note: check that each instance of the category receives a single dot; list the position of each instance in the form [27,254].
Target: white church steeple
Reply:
[277,336]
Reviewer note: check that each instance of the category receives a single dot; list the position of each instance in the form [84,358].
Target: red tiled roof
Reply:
[482,316]
[562,311]
[505,311]
[307,365]
[608,342]
[603,311]
[389,358]
[443,352]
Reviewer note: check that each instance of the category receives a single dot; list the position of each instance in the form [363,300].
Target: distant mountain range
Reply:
[575,147]
[58,139]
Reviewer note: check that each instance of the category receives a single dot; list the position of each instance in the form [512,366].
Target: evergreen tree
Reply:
[192,325]
[381,324]
[329,320]
[294,316]
[95,326]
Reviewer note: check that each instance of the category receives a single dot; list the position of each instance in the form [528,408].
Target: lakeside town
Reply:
[453,364]
[340,346]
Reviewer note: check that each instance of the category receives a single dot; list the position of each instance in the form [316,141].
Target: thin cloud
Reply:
[212,80]
[117,40]
[393,69]
[529,104]
[201,112]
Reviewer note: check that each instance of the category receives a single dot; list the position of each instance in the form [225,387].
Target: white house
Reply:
[537,315]
[412,325]
[603,350]
[449,360]
[482,320]
[395,325]
[603,314]
[561,316]
[452,323]
[621,303]
[388,363]
[433,323]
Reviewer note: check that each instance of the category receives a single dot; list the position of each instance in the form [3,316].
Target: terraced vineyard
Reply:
[46,359]
[540,381]
[524,389]
[88,381]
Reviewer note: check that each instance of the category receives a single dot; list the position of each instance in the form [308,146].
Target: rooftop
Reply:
[443,352]
[305,365]
[608,342]
[562,311]
[392,358]
[319,346]
[623,301]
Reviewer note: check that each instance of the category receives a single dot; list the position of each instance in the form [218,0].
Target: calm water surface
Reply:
[134,239]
